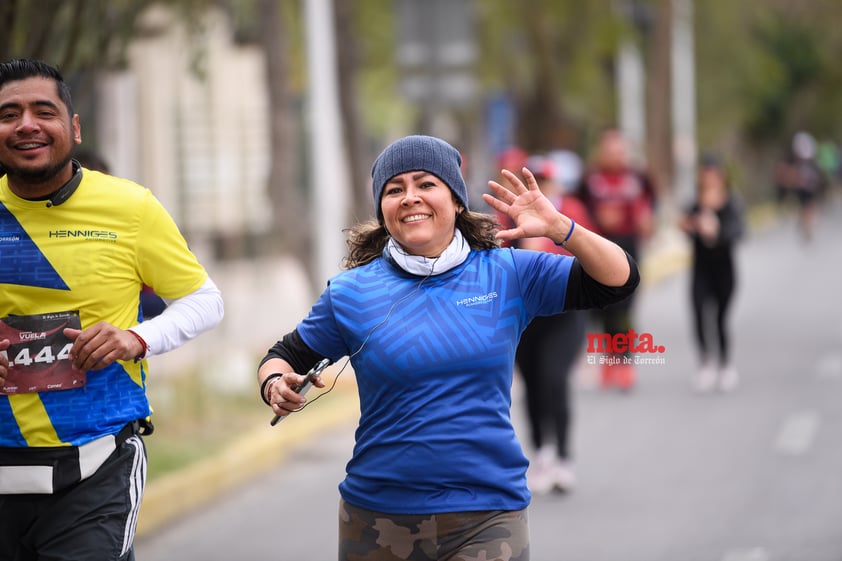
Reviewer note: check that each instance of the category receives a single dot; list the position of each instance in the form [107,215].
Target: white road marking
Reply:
[753,554]
[829,366]
[797,433]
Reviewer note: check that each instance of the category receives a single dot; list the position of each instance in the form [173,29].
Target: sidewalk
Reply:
[266,447]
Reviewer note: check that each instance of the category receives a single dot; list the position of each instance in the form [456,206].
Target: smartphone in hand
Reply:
[306,384]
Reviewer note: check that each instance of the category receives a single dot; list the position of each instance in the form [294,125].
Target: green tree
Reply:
[82,38]
[554,59]
[766,70]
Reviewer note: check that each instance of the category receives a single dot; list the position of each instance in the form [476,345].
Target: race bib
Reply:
[39,354]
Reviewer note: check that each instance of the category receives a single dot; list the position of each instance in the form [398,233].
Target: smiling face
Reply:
[419,212]
[37,135]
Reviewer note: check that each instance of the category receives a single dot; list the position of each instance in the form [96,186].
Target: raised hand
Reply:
[533,214]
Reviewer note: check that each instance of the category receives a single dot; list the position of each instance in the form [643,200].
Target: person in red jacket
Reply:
[621,199]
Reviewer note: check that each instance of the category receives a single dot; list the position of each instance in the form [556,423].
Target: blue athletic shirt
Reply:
[92,253]
[435,375]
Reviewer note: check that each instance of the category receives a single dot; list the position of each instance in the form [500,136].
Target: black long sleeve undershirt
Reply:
[583,292]
[295,351]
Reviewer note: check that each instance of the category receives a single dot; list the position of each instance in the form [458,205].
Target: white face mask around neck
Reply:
[454,254]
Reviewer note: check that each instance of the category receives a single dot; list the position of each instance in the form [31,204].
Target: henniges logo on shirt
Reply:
[477,300]
[98,235]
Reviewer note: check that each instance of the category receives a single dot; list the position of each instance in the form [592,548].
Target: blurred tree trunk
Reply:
[285,178]
[658,100]
[348,69]
[7,20]
[83,38]
[75,35]
[541,110]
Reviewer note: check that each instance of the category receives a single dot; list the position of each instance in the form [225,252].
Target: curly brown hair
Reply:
[367,239]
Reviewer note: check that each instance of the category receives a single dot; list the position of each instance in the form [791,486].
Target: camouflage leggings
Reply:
[495,535]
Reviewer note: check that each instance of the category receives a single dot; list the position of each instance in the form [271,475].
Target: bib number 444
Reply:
[39,353]
[44,355]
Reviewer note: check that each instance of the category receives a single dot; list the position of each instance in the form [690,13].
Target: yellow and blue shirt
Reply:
[92,253]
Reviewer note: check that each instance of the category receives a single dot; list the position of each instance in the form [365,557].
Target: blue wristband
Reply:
[563,243]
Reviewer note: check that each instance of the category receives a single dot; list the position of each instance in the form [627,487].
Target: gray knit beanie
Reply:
[418,153]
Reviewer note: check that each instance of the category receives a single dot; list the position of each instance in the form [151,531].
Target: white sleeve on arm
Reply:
[183,319]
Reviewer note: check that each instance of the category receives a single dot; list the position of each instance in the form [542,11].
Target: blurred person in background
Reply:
[801,177]
[621,200]
[830,161]
[76,247]
[569,166]
[715,223]
[512,158]
[547,353]
[429,312]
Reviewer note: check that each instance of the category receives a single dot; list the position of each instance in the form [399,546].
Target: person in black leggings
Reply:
[546,356]
[714,223]
[547,353]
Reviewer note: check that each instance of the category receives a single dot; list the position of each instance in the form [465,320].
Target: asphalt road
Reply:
[665,474]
